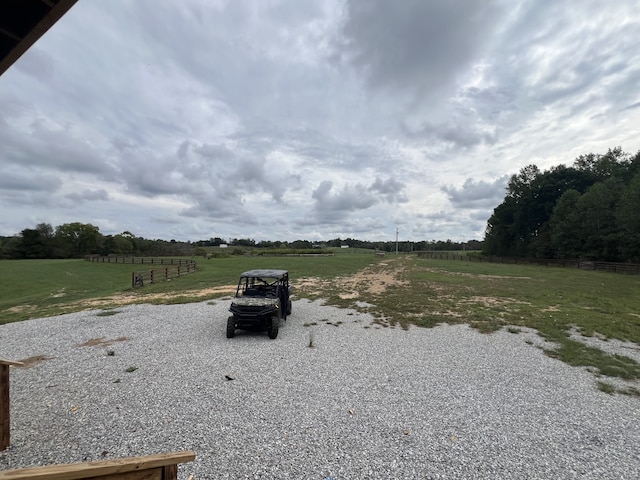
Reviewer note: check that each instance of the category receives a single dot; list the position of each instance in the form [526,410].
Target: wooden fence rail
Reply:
[151,467]
[145,277]
[140,260]
[614,267]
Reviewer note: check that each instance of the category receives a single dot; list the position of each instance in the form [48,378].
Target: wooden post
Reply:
[5,405]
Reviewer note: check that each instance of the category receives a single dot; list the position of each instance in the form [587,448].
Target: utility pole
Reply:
[397,240]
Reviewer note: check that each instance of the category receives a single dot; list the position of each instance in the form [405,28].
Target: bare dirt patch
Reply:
[551,308]
[33,361]
[493,301]
[127,299]
[21,308]
[373,280]
[475,275]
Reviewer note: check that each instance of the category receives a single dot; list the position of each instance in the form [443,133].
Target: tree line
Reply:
[590,211]
[75,240]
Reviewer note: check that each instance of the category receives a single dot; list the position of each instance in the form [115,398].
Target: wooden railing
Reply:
[136,260]
[146,277]
[614,267]
[5,404]
[152,467]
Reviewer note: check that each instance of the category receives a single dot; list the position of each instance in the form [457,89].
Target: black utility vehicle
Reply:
[261,301]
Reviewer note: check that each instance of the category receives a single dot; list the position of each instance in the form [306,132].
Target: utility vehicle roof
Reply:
[268,273]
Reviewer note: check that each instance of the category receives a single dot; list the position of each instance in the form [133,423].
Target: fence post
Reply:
[5,408]
[151,276]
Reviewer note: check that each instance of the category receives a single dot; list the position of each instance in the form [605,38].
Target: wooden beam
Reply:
[5,421]
[5,403]
[45,23]
[151,467]
[9,362]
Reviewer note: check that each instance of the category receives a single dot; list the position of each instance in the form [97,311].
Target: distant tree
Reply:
[598,229]
[78,239]
[243,242]
[519,226]
[10,247]
[118,245]
[614,163]
[500,236]
[564,223]
[336,242]
[32,244]
[266,244]
[301,244]
[628,219]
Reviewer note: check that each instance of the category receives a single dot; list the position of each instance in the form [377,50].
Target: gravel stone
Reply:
[364,401]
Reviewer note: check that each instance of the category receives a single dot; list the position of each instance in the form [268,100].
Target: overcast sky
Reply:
[285,120]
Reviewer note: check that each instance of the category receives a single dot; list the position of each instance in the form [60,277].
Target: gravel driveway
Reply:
[364,402]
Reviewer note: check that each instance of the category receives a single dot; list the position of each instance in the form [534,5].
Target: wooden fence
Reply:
[146,277]
[138,260]
[614,267]
[151,467]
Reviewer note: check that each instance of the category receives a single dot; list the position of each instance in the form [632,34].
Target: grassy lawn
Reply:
[41,288]
[403,290]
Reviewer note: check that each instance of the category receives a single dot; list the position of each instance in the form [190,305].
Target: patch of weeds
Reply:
[579,355]
[429,321]
[632,391]
[131,369]
[311,343]
[486,325]
[513,330]
[107,313]
[310,324]
[117,380]
[111,353]
[606,387]
[528,342]
[178,300]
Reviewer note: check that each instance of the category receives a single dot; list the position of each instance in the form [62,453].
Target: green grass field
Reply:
[41,288]
[404,290]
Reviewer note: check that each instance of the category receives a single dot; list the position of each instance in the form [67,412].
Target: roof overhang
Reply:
[23,22]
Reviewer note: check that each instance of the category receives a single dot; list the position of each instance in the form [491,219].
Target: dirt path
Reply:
[372,280]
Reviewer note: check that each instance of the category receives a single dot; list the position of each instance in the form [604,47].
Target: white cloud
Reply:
[287,119]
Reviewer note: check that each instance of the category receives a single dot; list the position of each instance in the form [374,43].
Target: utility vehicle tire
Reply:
[273,327]
[231,327]
[289,307]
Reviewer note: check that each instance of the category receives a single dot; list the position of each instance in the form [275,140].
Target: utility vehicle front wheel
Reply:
[273,328]
[231,327]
